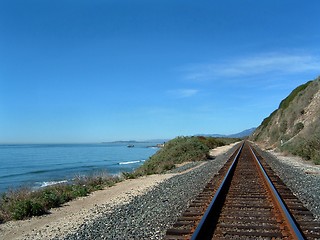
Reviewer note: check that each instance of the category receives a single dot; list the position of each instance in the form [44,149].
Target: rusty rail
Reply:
[206,220]
[242,202]
[291,222]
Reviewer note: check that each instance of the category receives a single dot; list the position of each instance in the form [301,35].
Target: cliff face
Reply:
[295,126]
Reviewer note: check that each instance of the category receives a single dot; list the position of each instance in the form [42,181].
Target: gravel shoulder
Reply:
[302,177]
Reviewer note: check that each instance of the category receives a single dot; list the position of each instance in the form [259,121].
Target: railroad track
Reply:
[245,200]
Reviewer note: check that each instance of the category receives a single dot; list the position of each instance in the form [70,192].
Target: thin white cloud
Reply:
[183,93]
[271,63]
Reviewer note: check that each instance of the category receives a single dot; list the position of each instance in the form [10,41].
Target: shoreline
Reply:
[121,210]
[69,217]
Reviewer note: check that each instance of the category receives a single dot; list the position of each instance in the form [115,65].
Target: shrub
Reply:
[317,160]
[23,203]
[309,149]
[26,208]
[50,199]
[79,191]
[168,166]
[283,126]
[96,181]
[179,150]
[212,142]
[128,175]
[3,215]
[298,127]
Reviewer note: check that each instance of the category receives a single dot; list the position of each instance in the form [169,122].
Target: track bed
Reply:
[248,201]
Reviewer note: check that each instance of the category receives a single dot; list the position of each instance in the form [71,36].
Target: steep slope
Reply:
[295,126]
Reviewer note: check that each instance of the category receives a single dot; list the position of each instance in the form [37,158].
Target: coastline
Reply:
[120,211]
[68,218]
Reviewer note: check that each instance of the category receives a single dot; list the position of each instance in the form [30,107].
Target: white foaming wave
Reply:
[130,162]
[50,183]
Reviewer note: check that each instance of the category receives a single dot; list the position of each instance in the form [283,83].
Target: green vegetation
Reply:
[267,120]
[24,203]
[298,127]
[306,147]
[286,102]
[179,150]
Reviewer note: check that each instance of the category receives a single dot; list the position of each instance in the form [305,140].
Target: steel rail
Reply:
[199,232]
[291,223]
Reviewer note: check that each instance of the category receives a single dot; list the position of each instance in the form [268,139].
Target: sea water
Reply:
[40,165]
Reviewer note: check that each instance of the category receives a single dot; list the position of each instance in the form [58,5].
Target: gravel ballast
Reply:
[302,179]
[150,215]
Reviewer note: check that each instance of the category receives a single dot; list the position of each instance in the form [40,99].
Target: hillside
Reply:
[295,126]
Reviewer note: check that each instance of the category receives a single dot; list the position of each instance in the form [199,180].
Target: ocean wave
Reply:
[130,162]
[50,183]
[41,171]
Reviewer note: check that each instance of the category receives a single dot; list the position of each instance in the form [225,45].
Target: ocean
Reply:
[40,165]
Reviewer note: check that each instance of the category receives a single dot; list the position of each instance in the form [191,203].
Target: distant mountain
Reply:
[295,126]
[211,135]
[124,141]
[245,133]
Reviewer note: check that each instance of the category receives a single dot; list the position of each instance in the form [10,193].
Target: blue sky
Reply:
[103,70]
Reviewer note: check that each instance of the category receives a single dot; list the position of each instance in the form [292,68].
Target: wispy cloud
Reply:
[270,63]
[183,93]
